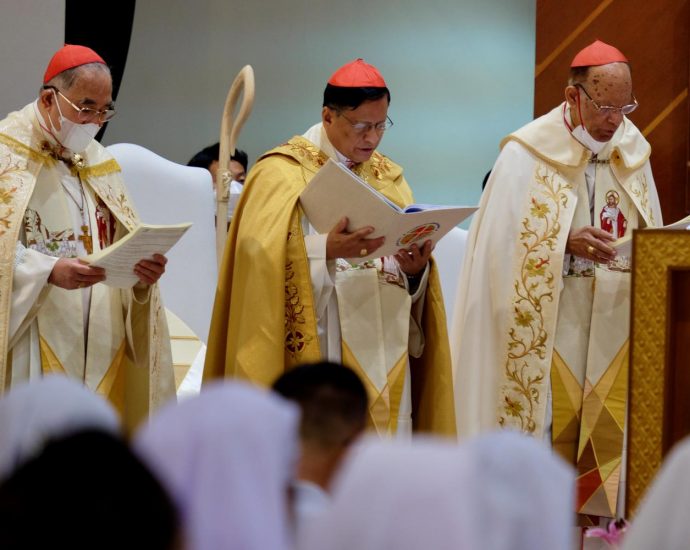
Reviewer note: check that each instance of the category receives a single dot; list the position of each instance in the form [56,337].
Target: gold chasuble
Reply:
[264,319]
[536,326]
[115,341]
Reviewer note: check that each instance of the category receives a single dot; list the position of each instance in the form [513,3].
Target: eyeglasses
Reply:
[85,114]
[607,110]
[363,127]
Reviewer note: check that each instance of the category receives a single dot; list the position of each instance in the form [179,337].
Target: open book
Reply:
[623,245]
[335,192]
[119,259]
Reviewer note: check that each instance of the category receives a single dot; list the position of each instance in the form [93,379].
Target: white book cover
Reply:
[336,192]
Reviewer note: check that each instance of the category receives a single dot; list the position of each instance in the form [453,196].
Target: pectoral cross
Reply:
[86,239]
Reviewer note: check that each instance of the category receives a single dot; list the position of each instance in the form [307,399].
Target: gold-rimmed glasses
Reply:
[86,114]
[607,110]
[361,127]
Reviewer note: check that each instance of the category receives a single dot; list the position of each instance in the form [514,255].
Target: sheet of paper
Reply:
[119,259]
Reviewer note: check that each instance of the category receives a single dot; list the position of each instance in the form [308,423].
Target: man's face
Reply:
[237,171]
[91,89]
[608,85]
[356,146]
[611,201]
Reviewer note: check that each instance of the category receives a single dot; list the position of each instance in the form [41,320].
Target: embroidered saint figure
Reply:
[612,219]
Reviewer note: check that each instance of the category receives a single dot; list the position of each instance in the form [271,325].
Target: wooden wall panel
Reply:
[655,36]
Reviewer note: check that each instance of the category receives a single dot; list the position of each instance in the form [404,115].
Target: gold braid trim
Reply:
[525,367]
[103,169]
[24,150]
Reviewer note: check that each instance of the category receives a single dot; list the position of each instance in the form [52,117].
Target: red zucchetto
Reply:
[357,74]
[598,53]
[68,57]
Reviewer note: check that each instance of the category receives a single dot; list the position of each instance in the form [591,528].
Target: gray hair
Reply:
[66,79]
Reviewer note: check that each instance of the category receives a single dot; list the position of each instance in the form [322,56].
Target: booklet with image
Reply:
[336,192]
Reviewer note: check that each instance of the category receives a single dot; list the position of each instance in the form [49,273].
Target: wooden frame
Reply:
[659,393]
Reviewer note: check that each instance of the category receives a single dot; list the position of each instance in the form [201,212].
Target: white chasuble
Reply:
[532,321]
[114,341]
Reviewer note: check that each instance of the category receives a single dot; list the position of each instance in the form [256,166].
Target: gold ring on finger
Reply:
[363,252]
[590,250]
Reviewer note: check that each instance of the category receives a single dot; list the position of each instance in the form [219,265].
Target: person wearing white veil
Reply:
[661,520]
[502,491]
[51,407]
[227,458]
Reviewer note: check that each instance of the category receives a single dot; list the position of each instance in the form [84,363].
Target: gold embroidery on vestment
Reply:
[527,335]
[640,188]
[23,150]
[7,192]
[380,165]
[309,152]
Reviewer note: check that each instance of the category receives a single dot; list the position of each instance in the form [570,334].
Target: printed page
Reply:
[119,259]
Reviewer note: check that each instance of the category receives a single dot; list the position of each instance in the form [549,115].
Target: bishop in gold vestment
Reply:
[284,297]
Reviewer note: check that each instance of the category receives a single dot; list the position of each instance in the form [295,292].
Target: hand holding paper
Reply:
[149,271]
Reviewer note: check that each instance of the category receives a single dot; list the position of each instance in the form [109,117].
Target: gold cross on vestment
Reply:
[86,239]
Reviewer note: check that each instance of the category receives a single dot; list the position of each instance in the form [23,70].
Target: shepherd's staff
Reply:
[229,130]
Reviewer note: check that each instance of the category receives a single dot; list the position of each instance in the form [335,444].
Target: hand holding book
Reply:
[335,193]
[344,244]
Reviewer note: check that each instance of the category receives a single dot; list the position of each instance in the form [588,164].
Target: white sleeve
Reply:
[416,340]
[30,278]
[322,271]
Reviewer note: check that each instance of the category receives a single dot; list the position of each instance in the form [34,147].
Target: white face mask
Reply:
[583,136]
[71,135]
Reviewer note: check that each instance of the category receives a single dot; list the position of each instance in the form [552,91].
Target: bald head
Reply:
[607,85]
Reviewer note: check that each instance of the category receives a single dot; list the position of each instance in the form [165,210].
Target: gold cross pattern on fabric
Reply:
[86,239]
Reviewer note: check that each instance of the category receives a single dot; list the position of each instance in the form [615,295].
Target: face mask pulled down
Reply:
[581,134]
[71,135]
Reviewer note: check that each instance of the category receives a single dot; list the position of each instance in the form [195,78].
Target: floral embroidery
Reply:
[307,151]
[295,337]
[380,165]
[640,188]
[120,205]
[7,192]
[23,150]
[534,289]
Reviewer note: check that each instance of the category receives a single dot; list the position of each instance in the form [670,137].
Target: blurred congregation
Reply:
[188,362]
